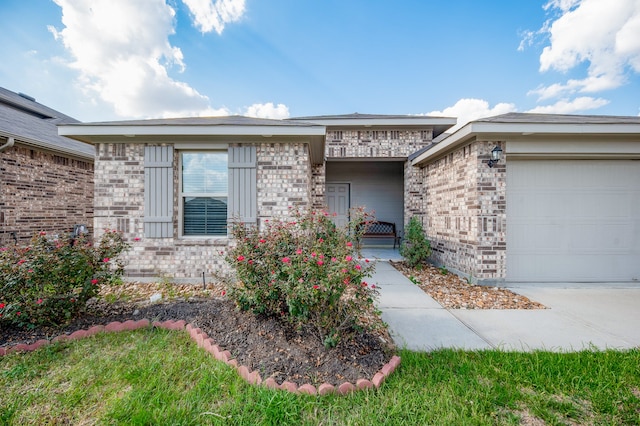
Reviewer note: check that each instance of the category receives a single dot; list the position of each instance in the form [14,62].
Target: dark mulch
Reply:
[269,345]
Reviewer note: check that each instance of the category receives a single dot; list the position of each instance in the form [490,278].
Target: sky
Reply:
[103,60]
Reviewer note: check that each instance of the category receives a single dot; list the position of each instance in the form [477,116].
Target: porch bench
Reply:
[379,229]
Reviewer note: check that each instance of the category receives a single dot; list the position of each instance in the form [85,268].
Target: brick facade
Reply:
[43,191]
[283,178]
[465,209]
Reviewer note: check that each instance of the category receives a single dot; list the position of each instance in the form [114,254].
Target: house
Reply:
[562,202]
[46,180]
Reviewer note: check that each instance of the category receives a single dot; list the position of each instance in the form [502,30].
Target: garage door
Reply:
[575,221]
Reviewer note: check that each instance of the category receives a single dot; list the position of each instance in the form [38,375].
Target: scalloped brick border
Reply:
[206,343]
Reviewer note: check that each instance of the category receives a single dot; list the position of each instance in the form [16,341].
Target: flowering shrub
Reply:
[48,281]
[305,270]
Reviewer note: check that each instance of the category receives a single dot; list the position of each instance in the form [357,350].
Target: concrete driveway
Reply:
[579,316]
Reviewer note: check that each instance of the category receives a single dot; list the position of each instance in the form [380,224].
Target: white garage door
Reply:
[575,221]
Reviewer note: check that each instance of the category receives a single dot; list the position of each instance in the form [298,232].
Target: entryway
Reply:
[377,186]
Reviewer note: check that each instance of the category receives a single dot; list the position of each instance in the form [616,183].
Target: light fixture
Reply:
[496,155]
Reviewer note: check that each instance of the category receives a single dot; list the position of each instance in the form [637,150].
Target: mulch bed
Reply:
[453,292]
[268,345]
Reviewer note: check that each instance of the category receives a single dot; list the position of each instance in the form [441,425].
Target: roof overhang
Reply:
[123,132]
[531,131]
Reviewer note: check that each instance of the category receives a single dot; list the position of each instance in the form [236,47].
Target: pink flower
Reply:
[18,313]
[2,305]
[358,267]
[136,239]
[364,284]
[313,254]
[366,260]
[263,240]
[373,286]
[39,301]
[299,251]
[21,261]
[333,259]
[348,258]
[343,270]
[240,258]
[300,280]
[315,287]
[94,281]
[349,244]
[106,260]
[250,261]
[3,249]
[321,240]
[286,260]
[43,233]
[346,281]
[320,262]
[223,293]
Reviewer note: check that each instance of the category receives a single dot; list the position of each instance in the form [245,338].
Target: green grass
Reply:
[160,377]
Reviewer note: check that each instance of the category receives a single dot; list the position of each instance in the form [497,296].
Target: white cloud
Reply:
[603,34]
[268,110]
[565,106]
[466,110]
[122,53]
[209,15]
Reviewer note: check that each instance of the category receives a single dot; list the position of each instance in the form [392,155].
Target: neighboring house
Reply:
[46,180]
[563,198]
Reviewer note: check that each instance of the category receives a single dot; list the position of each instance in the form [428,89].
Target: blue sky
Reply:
[100,60]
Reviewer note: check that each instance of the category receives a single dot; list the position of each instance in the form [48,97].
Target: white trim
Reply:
[182,195]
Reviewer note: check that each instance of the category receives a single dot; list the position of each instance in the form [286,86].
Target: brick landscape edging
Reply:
[206,343]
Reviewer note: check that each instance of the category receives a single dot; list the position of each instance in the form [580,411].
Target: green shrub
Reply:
[415,248]
[48,281]
[305,270]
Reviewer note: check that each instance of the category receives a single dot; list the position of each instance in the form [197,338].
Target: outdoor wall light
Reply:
[496,155]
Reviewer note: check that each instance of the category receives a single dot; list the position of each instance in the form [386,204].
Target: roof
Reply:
[34,124]
[528,125]
[232,120]
[200,130]
[524,118]
[438,124]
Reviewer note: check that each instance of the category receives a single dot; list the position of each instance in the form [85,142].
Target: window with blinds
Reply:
[204,193]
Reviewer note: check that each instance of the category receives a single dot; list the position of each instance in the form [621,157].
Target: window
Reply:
[204,193]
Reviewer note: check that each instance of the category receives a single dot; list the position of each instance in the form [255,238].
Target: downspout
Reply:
[9,144]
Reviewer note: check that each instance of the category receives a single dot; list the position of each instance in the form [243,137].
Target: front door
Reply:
[338,201]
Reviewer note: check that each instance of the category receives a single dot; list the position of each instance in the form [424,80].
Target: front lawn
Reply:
[153,376]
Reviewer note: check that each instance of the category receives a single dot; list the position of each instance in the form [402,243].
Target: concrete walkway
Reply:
[579,316]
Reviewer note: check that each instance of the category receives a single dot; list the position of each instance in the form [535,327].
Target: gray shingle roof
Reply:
[519,117]
[35,124]
[233,120]
[357,115]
